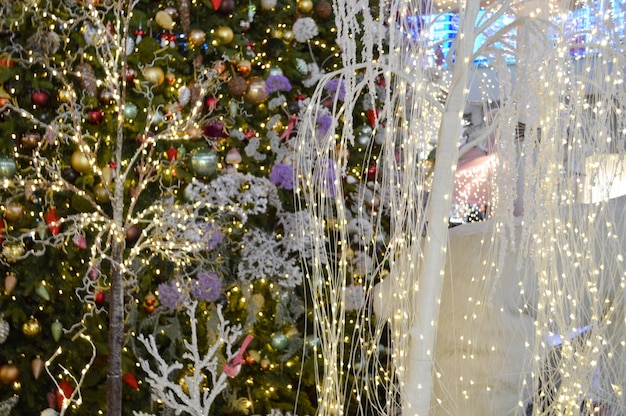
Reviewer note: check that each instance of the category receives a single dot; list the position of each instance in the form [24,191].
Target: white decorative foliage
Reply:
[205,381]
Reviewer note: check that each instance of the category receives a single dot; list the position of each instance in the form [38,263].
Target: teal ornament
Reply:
[279,342]
[42,292]
[204,162]
[57,330]
[7,168]
[130,111]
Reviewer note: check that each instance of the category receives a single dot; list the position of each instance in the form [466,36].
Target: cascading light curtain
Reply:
[522,313]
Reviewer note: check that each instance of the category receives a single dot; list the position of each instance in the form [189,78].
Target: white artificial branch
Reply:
[198,399]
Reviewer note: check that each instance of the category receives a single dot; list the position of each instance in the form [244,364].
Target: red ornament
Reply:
[64,392]
[95,116]
[99,299]
[371,172]
[172,154]
[372,117]
[131,381]
[6,63]
[3,227]
[53,220]
[40,98]
[131,75]
[211,102]
[216,4]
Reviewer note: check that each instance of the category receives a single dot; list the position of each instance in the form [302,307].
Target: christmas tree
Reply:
[150,240]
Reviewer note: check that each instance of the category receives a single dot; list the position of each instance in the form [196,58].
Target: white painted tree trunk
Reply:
[419,379]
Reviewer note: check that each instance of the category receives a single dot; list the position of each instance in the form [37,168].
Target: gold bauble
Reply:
[305,6]
[14,211]
[101,193]
[154,74]
[256,93]
[287,36]
[65,95]
[9,373]
[164,19]
[31,328]
[12,251]
[225,34]
[197,37]
[80,163]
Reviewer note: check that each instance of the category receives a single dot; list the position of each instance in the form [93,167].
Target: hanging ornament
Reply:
[64,393]
[150,303]
[130,46]
[131,380]
[305,6]
[106,97]
[42,292]
[244,67]
[13,251]
[268,4]
[216,4]
[185,15]
[139,35]
[224,34]
[197,37]
[64,94]
[3,228]
[101,193]
[5,98]
[323,9]
[172,154]
[363,140]
[184,95]
[133,233]
[5,329]
[130,74]
[237,86]
[256,93]
[279,341]
[80,241]
[95,116]
[100,299]
[154,75]
[288,36]
[227,6]
[31,328]
[108,175]
[53,221]
[210,102]
[10,281]
[36,367]
[7,167]
[204,162]
[164,20]
[80,163]
[130,111]
[30,140]
[70,174]
[40,98]
[14,211]
[9,373]
[87,78]
[90,34]
[233,157]
[57,330]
